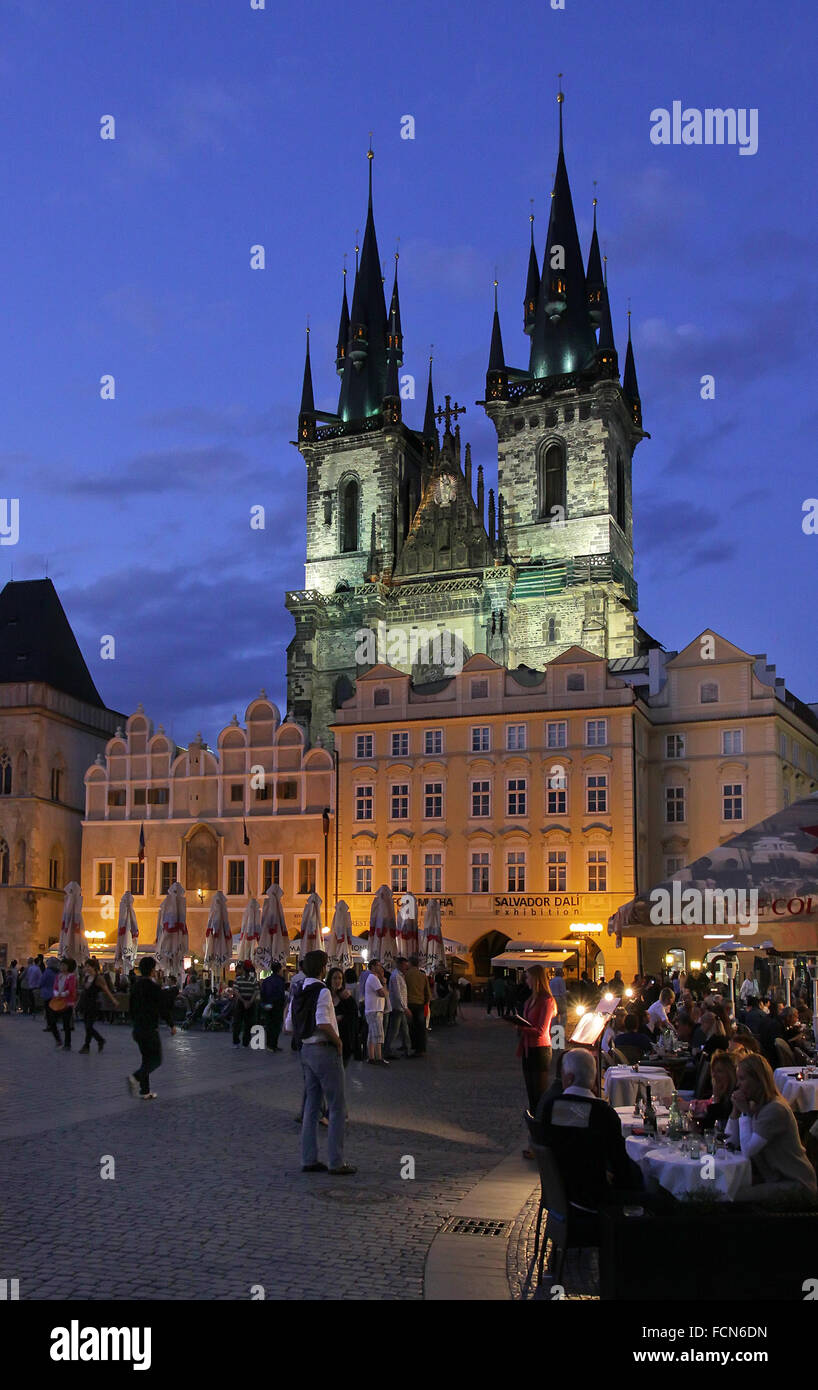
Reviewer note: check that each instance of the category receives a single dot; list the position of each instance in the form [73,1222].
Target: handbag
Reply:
[57,1005]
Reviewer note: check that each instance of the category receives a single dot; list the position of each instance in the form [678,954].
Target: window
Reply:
[364,801]
[732,741]
[53,870]
[556,733]
[306,876]
[433,741]
[168,875]
[597,871]
[157,796]
[400,744]
[288,791]
[237,791]
[517,795]
[399,801]
[479,871]
[481,798]
[364,745]
[551,471]
[349,516]
[105,879]
[515,870]
[796,754]
[556,787]
[235,878]
[136,878]
[515,737]
[270,873]
[552,630]
[575,680]
[596,732]
[117,797]
[382,696]
[5,775]
[433,800]
[140,796]
[674,804]
[708,693]
[480,690]
[674,745]
[597,793]
[481,738]
[733,801]
[674,863]
[265,793]
[784,746]
[433,873]
[363,873]
[4,862]
[557,866]
[399,873]
[56,784]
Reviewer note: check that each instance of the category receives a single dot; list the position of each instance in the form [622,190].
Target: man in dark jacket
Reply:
[47,985]
[273,994]
[148,1003]
[585,1136]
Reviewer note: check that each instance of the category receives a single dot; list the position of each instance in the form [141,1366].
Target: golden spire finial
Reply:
[560,92]
[370,154]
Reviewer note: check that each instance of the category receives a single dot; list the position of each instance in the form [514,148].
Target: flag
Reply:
[246,836]
[141,844]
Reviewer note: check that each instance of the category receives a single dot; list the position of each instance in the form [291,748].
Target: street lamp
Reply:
[325,827]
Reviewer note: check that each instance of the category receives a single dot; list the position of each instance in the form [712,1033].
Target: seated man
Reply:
[634,1037]
[585,1135]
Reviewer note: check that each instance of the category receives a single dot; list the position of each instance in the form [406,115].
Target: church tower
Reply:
[566,434]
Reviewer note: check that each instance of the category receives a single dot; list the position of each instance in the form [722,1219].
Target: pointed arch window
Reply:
[551,468]
[349,516]
[5,774]
[620,490]
[4,861]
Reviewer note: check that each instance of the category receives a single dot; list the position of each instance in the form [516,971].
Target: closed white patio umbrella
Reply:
[250,931]
[72,929]
[432,953]
[171,931]
[408,937]
[274,941]
[127,934]
[218,950]
[339,941]
[311,937]
[383,932]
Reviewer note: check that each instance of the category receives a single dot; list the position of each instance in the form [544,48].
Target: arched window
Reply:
[349,516]
[553,630]
[4,862]
[5,776]
[552,480]
[620,490]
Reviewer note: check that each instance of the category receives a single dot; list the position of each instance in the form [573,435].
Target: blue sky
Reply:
[236,127]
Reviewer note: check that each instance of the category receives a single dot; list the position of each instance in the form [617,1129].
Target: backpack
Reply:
[304,1005]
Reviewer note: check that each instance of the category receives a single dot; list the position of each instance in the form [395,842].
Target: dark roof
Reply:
[37,643]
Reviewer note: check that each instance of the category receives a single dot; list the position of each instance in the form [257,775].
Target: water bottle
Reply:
[637,1106]
[675,1127]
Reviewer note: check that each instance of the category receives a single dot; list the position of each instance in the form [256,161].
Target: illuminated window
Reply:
[557,866]
[481,798]
[480,871]
[597,871]
[515,870]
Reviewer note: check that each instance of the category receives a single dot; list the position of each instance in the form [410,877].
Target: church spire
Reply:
[343,329]
[363,384]
[563,338]
[497,362]
[395,337]
[306,415]
[532,284]
[630,386]
[594,281]
[606,333]
[429,425]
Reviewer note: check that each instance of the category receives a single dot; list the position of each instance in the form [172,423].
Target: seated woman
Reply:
[763,1126]
[715,1037]
[723,1080]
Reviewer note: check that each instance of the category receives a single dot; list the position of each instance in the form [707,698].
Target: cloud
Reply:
[164,470]
[676,530]
[462,271]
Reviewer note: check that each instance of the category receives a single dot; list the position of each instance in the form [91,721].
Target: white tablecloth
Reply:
[628,1120]
[683,1176]
[621,1084]
[802,1095]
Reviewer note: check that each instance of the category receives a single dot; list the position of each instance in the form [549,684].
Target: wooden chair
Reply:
[566,1227]
[628,1053]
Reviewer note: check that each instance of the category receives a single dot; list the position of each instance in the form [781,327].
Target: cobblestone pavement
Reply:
[580,1276]
[208,1197]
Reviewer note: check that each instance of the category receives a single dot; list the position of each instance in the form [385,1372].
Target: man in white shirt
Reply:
[558,990]
[311,1020]
[658,1013]
[397,1032]
[374,1006]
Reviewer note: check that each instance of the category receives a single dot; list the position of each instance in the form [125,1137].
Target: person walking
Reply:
[148,1003]
[33,976]
[94,986]
[534,1047]
[246,995]
[63,1001]
[10,987]
[397,1033]
[374,1006]
[311,1020]
[272,999]
[47,988]
[418,997]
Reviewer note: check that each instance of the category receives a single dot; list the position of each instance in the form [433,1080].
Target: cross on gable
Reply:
[449,412]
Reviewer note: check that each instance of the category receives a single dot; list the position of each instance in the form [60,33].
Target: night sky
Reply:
[236,127]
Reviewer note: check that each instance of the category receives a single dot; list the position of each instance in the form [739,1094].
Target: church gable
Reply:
[447,534]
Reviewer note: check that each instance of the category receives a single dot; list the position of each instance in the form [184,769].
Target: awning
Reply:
[761,885]
[523,960]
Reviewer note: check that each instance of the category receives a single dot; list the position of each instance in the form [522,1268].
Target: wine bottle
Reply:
[650,1114]
[675,1127]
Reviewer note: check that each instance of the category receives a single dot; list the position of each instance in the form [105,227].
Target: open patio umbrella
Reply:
[274,941]
[127,934]
[311,938]
[250,931]
[432,953]
[72,930]
[171,930]
[339,941]
[408,940]
[383,931]
[218,950]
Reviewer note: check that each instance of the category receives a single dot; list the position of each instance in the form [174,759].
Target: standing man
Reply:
[10,987]
[397,1032]
[273,994]
[418,995]
[148,1003]
[31,984]
[245,994]
[374,1006]
[311,1020]
[47,987]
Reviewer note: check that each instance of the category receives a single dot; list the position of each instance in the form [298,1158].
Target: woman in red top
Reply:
[534,1047]
[65,992]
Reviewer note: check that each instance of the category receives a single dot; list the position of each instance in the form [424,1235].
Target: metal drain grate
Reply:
[474,1226]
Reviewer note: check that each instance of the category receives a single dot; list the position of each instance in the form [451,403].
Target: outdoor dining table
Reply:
[622,1083]
[802,1095]
[722,1175]
[629,1121]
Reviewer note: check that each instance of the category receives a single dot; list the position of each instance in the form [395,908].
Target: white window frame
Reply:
[166,859]
[516,859]
[297,858]
[234,859]
[404,794]
[128,863]
[560,794]
[735,794]
[427,867]
[604,788]
[432,737]
[560,727]
[677,820]
[97,864]
[674,863]
[597,859]
[681,750]
[364,869]
[274,858]
[556,865]
[360,739]
[480,861]
[362,802]
[731,736]
[403,869]
[517,791]
[484,783]
[426,795]
[478,745]
[516,738]
[403,736]
[596,742]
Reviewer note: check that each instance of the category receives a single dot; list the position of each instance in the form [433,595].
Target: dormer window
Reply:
[383,697]
[575,681]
